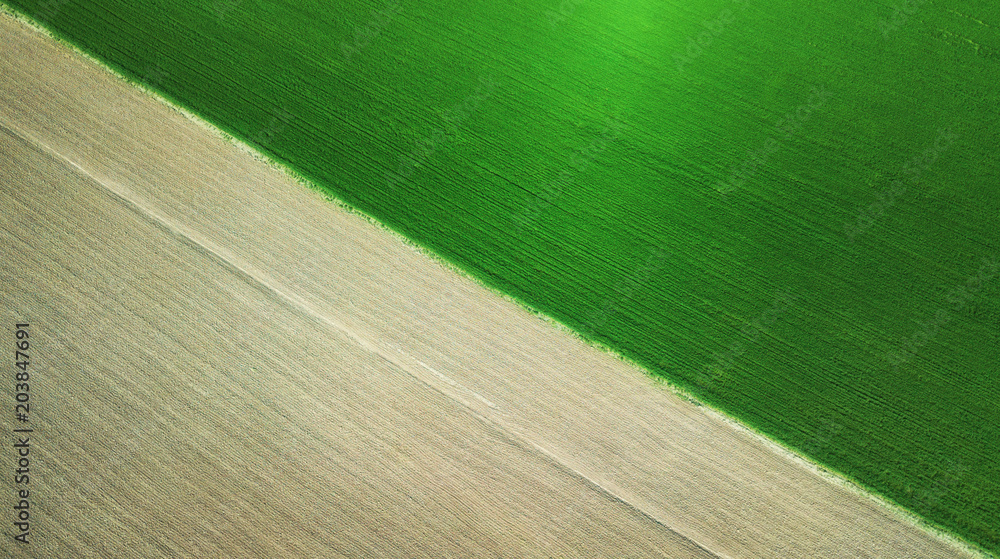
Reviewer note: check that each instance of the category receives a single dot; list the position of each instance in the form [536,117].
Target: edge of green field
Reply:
[681,390]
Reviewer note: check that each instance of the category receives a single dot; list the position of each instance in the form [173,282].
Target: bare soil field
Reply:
[228,365]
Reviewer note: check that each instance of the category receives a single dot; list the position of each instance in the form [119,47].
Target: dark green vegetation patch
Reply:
[789,208]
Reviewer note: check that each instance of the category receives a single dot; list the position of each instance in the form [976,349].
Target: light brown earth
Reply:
[227,365]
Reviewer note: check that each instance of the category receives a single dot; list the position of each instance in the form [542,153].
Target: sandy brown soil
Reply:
[229,366]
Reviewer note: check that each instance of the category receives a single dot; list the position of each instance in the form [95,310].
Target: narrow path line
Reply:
[436,381]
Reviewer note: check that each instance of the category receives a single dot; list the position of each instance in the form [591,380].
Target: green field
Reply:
[789,209]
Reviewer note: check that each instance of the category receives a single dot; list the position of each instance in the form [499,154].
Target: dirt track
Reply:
[227,366]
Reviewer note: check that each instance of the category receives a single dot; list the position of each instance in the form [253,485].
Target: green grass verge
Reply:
[790,210]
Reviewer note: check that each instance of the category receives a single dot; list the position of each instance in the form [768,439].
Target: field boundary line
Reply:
[302,307]
[833,476]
